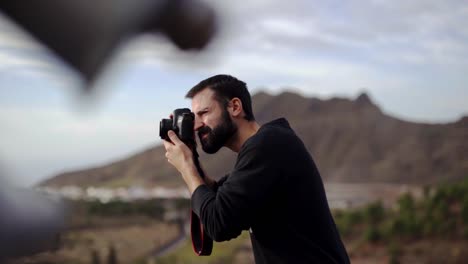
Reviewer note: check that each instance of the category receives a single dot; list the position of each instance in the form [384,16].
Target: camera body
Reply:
[181,122]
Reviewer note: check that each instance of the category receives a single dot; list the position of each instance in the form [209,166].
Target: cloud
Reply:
[340,27]
[381,32]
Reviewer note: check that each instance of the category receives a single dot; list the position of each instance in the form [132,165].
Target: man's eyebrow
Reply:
[202,111]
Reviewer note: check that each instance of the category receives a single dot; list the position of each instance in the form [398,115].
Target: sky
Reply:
[409,56]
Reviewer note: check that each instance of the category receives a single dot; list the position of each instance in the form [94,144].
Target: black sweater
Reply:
[276,191]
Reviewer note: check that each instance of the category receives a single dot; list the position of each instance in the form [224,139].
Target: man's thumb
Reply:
[172,135]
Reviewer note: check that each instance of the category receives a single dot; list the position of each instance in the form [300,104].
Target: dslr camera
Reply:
[181,122]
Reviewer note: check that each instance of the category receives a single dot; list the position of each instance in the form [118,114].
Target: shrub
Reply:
[374,212]
[394,251]
[372,234]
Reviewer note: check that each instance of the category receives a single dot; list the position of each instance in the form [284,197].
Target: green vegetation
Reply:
[154,208]
[394,252]
[224,252]
[442,212]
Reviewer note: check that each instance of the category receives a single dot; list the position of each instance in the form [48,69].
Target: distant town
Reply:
[339,195]
[110,194]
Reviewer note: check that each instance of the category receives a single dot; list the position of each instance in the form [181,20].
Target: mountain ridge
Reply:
[351,140]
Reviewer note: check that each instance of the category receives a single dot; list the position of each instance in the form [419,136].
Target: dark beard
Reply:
[218,136]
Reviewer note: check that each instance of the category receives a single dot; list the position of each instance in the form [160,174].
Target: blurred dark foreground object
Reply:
[30,222]
[84,33]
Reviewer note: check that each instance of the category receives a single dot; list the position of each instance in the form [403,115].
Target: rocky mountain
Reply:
[350,141]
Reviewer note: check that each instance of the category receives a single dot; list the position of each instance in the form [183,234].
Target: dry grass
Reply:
[131,243]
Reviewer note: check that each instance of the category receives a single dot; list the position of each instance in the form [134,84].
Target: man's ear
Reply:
[235,107]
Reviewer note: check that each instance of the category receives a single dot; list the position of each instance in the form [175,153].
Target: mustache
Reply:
[204,130]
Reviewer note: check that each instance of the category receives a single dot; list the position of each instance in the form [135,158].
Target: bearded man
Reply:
[274,190]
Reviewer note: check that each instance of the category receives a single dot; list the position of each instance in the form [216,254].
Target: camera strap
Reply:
[202,244]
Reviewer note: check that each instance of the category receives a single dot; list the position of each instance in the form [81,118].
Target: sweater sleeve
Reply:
[228,211]
[219,183]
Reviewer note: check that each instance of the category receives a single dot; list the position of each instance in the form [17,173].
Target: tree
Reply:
[374,212]
[372,233]
[112,257]
[95,257]
[464,210]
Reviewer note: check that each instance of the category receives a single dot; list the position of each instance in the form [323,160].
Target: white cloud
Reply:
[10,61]
[285,28]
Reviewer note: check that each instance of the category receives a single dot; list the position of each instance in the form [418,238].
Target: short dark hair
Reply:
[225,88]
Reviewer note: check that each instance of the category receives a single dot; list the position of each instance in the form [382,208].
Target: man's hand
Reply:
[177,153]
[181,157]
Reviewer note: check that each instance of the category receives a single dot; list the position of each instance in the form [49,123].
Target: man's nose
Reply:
[198,124]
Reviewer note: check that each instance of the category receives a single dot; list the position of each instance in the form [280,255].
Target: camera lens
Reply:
[164,126]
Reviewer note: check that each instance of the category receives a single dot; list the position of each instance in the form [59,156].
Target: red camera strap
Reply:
[202,244]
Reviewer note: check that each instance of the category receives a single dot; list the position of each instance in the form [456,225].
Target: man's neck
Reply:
[244,131]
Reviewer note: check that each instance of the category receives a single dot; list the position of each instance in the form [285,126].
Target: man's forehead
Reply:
[203,99]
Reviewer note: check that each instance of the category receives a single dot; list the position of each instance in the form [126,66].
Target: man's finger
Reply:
[167,144]
[172,135]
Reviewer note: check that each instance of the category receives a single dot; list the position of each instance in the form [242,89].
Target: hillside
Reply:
[350,140]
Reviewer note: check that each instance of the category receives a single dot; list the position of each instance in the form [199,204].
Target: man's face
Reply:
[212,121]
